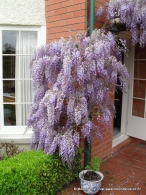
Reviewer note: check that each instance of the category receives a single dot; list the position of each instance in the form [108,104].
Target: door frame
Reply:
[120,137]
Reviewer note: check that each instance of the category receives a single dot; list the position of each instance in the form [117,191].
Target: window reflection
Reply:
[8,67]
[9,115]
[9,91]
[9,42]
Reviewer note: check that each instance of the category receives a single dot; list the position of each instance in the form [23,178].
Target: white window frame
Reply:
[17,133]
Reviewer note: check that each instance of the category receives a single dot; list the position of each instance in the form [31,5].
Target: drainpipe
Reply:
[91,15]
[87,146]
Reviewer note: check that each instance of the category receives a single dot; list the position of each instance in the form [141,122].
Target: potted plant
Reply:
[90,179]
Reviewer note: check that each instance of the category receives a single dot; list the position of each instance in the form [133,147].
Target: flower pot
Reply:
[90,187]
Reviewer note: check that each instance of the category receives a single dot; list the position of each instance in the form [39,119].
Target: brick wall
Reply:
[65,15]
[103,148]
[102,19]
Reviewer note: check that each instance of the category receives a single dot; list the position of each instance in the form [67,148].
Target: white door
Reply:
[136,123]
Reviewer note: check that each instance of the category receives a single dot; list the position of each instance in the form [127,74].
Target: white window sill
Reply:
[20,136]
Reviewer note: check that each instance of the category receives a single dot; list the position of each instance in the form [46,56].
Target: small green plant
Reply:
[94,165]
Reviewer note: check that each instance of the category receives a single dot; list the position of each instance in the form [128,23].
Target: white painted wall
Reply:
[22,12]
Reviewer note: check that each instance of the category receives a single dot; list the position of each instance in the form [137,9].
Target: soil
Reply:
[91,176]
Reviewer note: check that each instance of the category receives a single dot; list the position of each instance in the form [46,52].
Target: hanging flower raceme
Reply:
[133,14]
[70,77]
[87,131]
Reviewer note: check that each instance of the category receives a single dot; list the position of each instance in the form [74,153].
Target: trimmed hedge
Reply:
[35,173]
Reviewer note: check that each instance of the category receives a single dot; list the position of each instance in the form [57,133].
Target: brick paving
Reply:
[126,170]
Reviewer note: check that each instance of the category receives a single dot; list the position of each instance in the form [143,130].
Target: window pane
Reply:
[22,111]
[17,91]
[28,42]
[23,91]
[9,91]
[8,67]
[140,52]
[139,89]
[24,67]
[9,115]
[140,69]
[138,108]
[9,42]
[16,114]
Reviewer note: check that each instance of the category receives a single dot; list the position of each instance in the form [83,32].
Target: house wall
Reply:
[65,15]
[18,12]
[102,19]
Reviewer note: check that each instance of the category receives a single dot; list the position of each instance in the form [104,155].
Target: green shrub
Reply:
[35,173]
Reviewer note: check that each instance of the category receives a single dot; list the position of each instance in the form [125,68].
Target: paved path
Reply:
[125,170]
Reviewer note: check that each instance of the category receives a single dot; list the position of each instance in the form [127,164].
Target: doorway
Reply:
[118,110]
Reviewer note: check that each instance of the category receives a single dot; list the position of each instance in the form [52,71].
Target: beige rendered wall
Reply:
[18,12]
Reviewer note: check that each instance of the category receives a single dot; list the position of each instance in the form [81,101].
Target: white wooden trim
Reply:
[124,114]
[118,139]
[1,110]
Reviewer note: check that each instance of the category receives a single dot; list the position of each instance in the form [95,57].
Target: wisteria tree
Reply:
[73,79]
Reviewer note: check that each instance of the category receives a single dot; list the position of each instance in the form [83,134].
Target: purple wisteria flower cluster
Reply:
[70,77]
[133,14]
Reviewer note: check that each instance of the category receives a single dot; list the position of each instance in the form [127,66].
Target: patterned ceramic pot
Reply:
[90,187]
